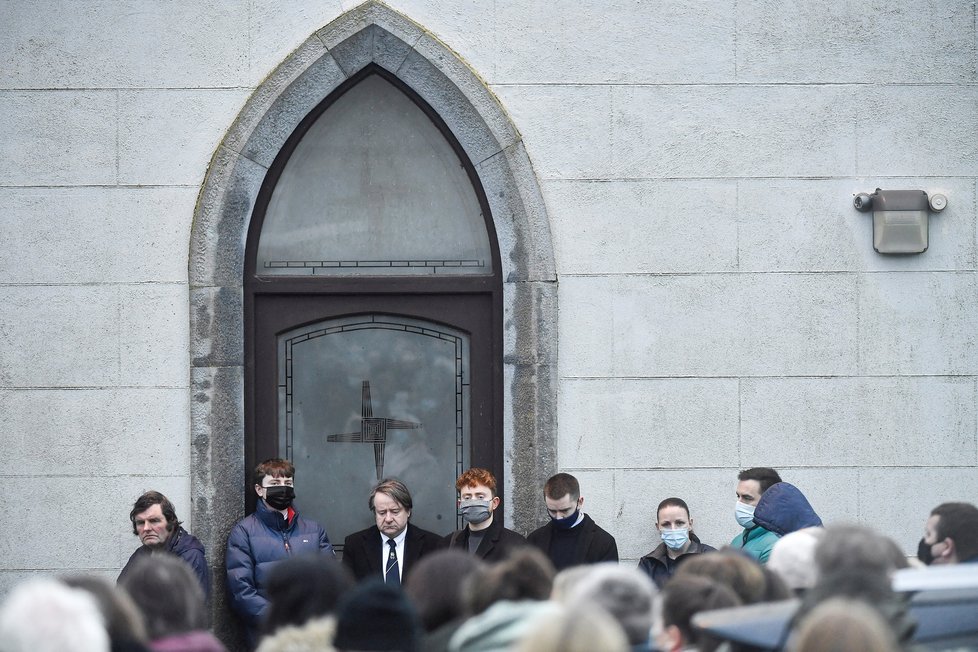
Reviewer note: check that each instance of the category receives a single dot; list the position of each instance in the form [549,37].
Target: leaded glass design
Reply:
[373,396]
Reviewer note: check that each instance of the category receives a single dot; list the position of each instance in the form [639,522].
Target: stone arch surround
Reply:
[370,33]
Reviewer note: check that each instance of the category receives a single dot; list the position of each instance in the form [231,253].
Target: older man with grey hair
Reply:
[44,615]
[390,547]
[793,558]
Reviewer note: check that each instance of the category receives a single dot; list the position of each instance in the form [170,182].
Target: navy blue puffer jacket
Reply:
[256,543]
[783,509]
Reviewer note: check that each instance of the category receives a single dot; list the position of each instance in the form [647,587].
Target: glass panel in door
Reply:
[373,396]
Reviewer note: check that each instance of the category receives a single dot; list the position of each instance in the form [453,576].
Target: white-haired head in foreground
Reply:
[793,558]
[44,615]
[625,593]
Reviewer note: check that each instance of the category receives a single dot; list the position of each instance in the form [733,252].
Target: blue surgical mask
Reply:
[567,522]
[744,514]
[675,539]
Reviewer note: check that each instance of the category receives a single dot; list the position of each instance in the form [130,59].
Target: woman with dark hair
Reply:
[741,573]
[303,596]
[507,600]
[303,588]
[435,589]
[685,597]
[675,527]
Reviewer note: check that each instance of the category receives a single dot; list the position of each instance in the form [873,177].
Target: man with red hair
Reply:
[483,535]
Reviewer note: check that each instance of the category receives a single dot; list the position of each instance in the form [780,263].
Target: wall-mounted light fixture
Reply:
[899,218]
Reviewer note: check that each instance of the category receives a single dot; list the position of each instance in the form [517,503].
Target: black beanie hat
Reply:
[375,616]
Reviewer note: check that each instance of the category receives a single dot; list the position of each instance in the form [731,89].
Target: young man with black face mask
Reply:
[483,534]
[950,535]
[259,541]
[571,537]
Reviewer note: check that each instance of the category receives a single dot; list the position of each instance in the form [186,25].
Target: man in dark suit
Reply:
[483,535]
[571,537]
[390,548]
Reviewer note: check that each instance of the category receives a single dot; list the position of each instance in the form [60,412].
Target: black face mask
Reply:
[924,554]
[567,522]
[279,496]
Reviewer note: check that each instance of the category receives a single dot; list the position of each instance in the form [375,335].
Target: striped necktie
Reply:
[392,574]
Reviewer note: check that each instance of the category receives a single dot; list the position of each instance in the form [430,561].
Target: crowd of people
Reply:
[485,587]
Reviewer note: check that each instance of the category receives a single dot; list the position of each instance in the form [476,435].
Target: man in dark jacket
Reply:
[571,537]
[483,535]
[390,548]
[154,521]
[259,541]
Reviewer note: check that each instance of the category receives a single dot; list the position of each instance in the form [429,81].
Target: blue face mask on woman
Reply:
[675,539]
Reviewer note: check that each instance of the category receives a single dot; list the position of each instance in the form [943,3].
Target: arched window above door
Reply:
[373,188]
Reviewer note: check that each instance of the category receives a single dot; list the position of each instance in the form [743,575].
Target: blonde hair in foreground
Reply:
[576,630]
[839,625]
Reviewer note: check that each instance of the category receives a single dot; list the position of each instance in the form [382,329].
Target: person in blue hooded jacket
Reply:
[783,509]
[258,542]
[768,509]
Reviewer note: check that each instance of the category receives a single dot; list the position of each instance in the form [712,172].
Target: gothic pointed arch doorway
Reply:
[371,34]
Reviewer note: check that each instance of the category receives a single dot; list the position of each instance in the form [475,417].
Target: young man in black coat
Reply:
[390,548]
[571,537]
[483,535]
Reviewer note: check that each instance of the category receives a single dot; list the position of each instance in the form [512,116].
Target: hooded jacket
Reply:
[756,541]
[783,509]
[256,543]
